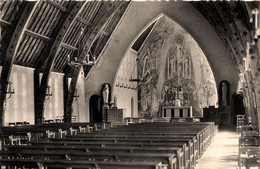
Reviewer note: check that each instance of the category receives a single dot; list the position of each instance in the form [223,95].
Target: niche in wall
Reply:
[95,114]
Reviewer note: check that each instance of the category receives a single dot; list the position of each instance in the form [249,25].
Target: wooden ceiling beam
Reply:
[229,25]
[52,52]
[104,33]
[207,12]
[5,23]
[56,5]
[69,47]
[37,35]
[103,15]
[79,18]
[11,51]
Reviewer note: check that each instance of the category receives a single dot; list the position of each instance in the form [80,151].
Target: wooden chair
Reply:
[14,140]
[62,133]
[82,129]
[19,124]
[11,124]
[73,131]
[50,134]
[73,119]
[59,119]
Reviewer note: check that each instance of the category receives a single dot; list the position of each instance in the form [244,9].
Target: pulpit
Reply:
[176,111]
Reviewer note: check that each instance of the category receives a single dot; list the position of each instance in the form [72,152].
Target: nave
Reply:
[73,74]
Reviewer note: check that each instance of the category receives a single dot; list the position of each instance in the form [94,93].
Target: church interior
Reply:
[129,84]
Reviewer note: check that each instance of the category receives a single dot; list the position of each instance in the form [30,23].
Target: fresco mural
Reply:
[148,71]
[171,67]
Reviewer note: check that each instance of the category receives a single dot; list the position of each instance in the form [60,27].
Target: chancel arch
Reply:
[196,25]
[172,67]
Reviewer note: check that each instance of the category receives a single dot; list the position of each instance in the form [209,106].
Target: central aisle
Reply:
[222,153]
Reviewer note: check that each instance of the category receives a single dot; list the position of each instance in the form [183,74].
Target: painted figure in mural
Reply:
[187,65]
[176,59]
[211,99]
[179,54]
[224,94]
[105,93]
[172,63]
[165,95]
[144,99]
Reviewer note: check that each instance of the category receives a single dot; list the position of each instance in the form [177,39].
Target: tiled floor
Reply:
[222,153]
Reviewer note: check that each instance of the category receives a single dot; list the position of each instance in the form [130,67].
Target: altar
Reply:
[176,111]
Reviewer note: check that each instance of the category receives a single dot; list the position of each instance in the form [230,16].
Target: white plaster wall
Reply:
[79,104]
[54,106]
[124,90]
[20,106]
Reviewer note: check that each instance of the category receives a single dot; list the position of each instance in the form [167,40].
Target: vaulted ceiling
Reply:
[42,34]
[41,21]
[231,21]
[44,22]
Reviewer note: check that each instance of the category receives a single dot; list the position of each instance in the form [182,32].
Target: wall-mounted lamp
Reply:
[48,93]
[76,94]
[9,91]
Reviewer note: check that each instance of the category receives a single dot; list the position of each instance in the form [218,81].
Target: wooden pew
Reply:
[193,143]
[118,141]
[165,158]
[202,138]
[119,144]
[80,149]
[208,129]
[41,164]
[249,151]
[189,157]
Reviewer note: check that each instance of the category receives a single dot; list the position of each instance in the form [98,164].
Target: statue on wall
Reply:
[105,94]
[224,94]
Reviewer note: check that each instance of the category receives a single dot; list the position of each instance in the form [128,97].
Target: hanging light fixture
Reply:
[76,61]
